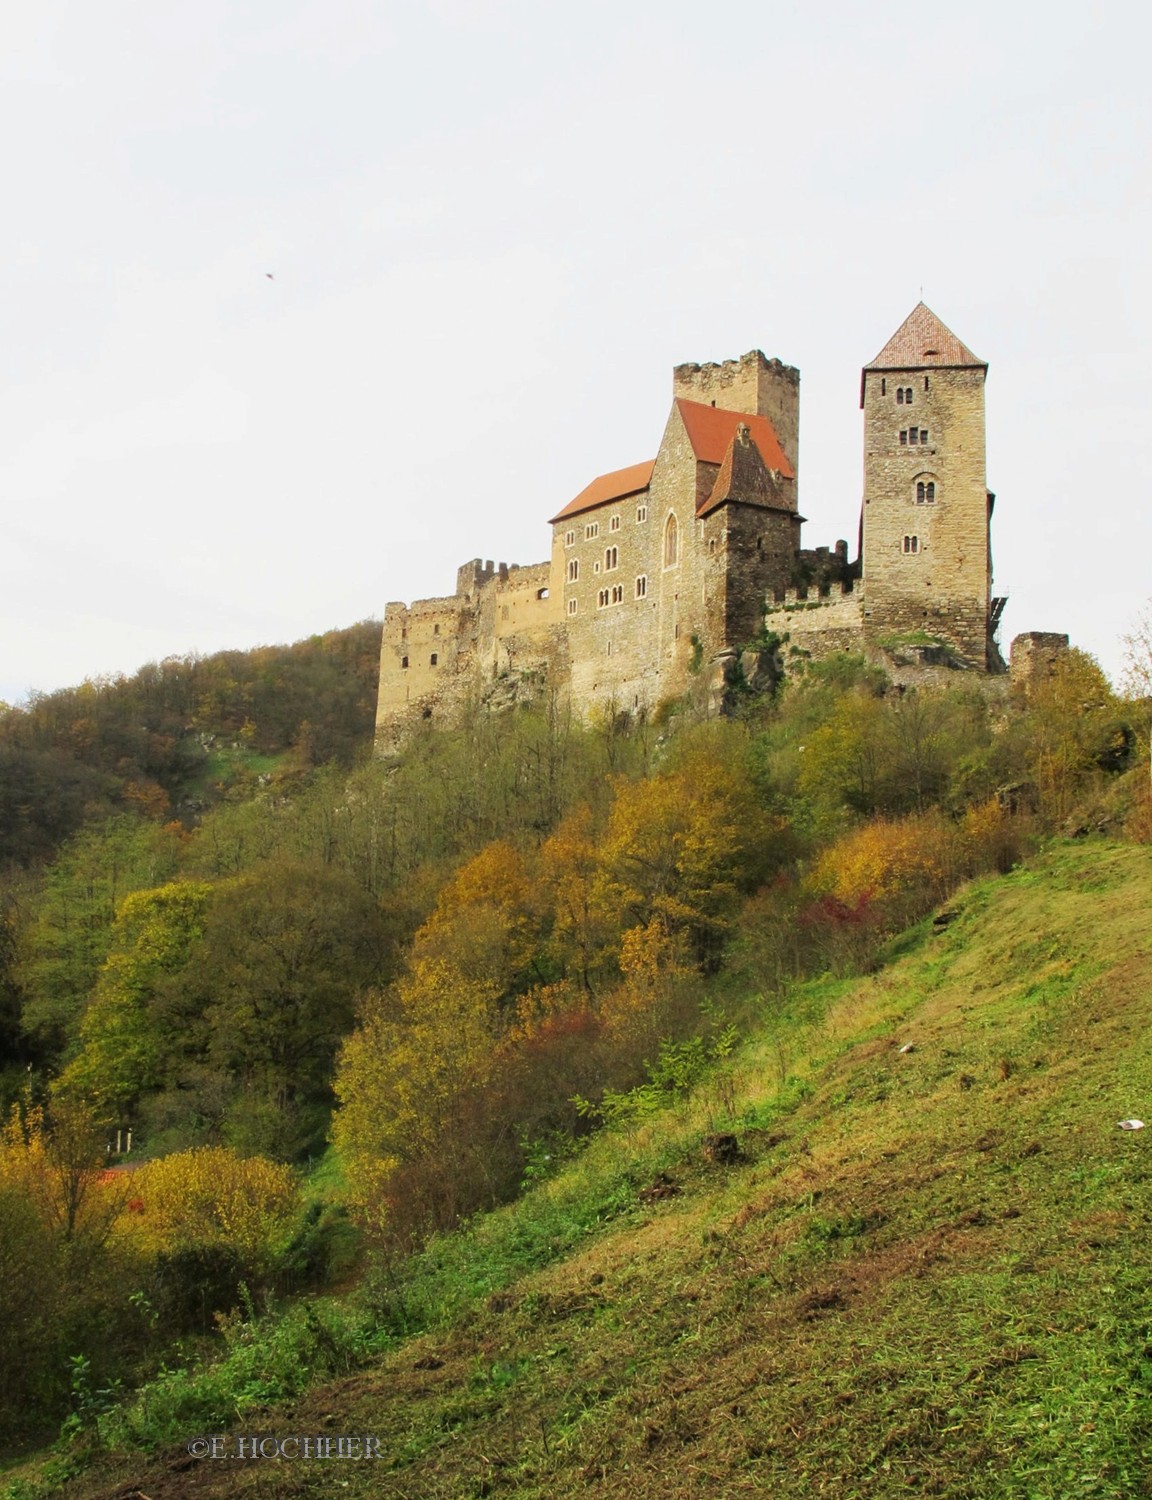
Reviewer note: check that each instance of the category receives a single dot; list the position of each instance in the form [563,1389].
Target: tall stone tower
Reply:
[927,510]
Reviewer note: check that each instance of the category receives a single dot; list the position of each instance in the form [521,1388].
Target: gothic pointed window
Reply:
[671,542]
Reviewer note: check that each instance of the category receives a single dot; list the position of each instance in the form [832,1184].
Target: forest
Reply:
[274,1012]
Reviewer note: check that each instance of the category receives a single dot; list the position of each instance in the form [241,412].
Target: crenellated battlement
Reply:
[815,596]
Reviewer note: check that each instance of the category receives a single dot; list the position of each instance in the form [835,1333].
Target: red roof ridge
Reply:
[617,485]
[711,429]
[744,477]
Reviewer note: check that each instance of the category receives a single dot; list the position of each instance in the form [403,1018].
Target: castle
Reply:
[684,564]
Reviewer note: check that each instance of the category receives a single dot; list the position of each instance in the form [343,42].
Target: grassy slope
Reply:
[930,1274]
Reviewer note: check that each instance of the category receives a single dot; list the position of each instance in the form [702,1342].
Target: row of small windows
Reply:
[903,392]
[671,538]
[610,596]
[433,660]
[592,529]
[611,562]
[911,436]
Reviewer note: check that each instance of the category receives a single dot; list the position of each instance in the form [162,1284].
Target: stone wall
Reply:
[818,624]
[1034,656]
[436,655]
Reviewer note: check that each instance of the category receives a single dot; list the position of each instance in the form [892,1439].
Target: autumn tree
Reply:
[268,994]
[123,1029]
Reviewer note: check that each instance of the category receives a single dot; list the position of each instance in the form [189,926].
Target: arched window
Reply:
[671,542]
[573,570]
[925,491]
[899,395]
[911,544]
[611,556]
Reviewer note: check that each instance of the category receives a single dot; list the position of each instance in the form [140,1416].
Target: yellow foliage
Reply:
[655,967]
[58,1165]
[401,1073]
[211,1196]
[884,861]
[678,844]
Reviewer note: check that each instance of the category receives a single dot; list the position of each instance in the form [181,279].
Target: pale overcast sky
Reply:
[492,227]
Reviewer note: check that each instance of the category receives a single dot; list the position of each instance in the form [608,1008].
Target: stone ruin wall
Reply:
[437,655]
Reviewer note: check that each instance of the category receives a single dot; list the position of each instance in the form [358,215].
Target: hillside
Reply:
[927,1273]
[180,735]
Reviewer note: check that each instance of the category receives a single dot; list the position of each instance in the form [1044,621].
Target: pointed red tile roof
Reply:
[743,477]
[711,430]
[615,486]
[921,341]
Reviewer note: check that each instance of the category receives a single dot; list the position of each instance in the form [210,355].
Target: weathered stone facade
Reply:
[927,508]
[682,564]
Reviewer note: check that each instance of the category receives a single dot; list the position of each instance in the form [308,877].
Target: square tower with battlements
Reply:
[925,533]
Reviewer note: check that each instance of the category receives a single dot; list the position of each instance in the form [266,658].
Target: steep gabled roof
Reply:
[923,342]
[743,477]
[711,429]
[615,486]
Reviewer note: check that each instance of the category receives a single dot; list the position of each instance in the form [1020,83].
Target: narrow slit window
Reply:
[911,544]
[899,395]
[642,586]
[671,543]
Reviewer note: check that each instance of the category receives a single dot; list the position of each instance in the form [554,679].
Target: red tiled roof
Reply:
[615,486]
[744,477]
[711,430]
[922,341]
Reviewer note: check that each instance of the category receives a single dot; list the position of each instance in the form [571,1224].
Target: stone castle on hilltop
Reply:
[690,563]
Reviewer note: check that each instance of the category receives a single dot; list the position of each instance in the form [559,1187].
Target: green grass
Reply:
[930,1274]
